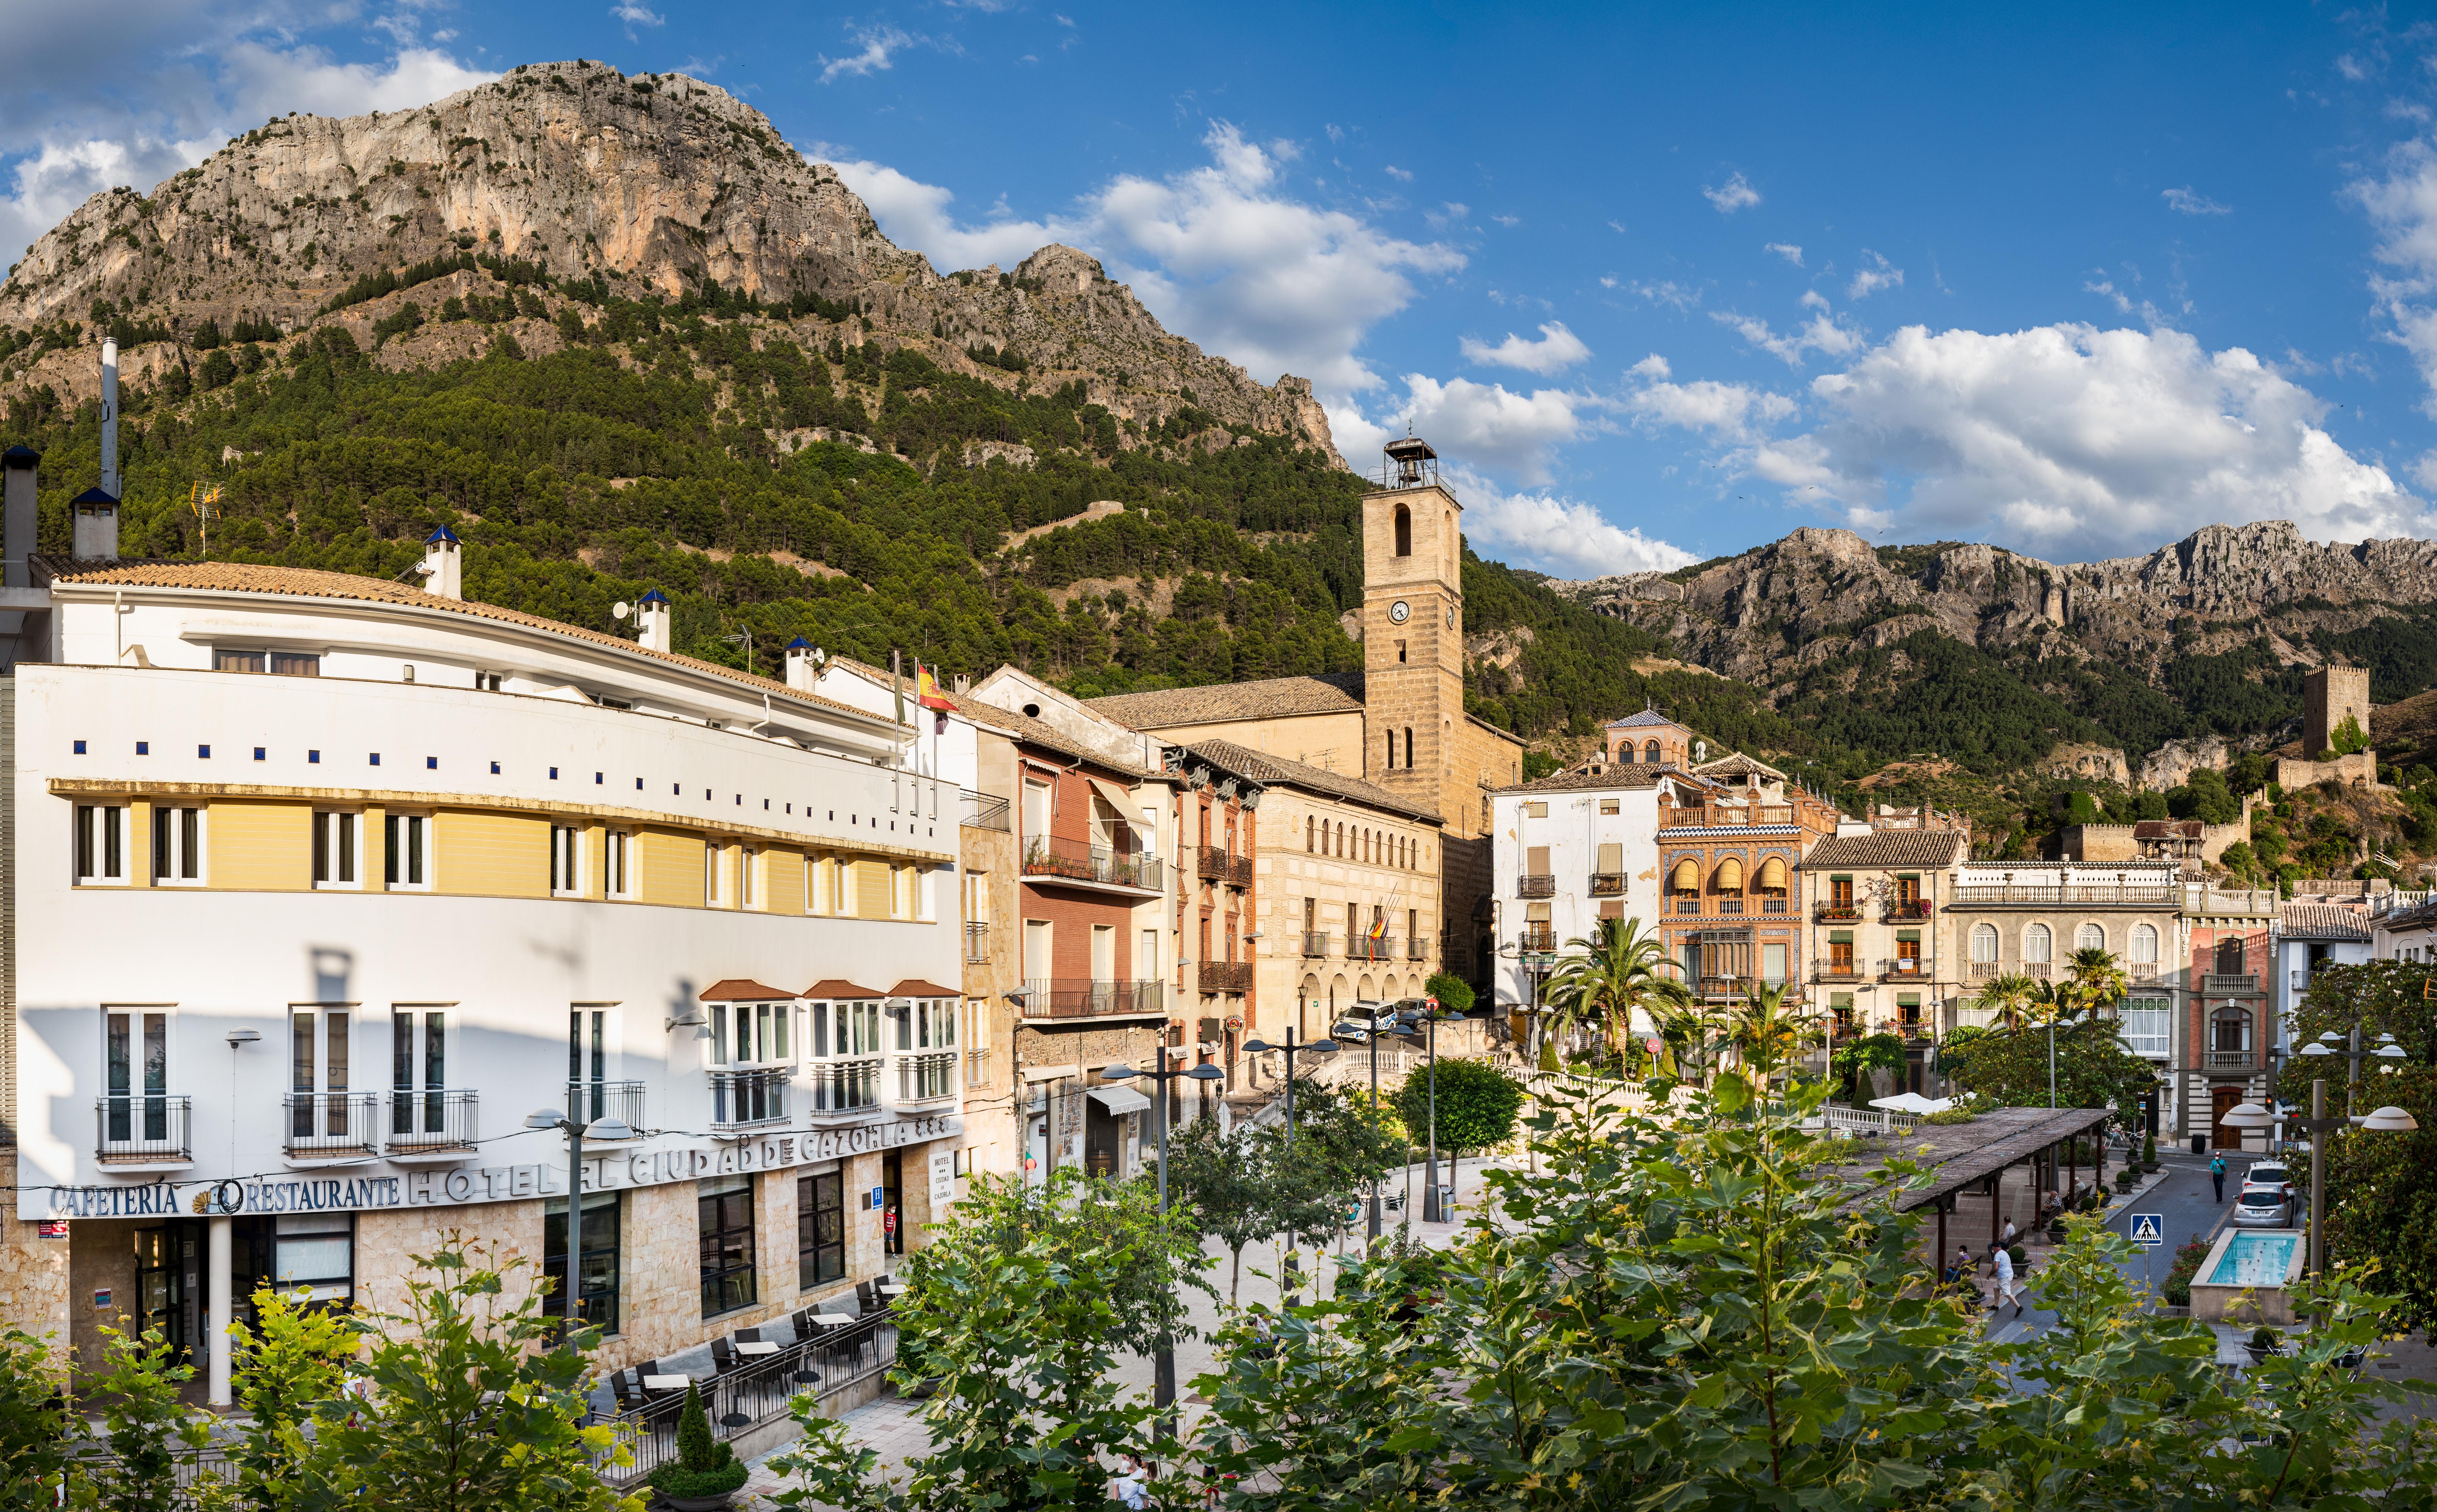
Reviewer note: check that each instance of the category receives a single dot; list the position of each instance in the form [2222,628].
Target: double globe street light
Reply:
[2387,1119]
[1164,1362]
[606,1130]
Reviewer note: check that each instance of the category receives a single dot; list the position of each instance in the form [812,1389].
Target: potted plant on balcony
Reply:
[706,1473]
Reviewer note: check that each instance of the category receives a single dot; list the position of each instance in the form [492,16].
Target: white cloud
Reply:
[1666,292]
[1216,251]
[2071,440]
[1556,350]
[2402,206]
[1786,249]
[1451,213]
[1400,175]
[1552,534]
[1489,423]
[878,44]
[635,15]
[2187,201]
[1825,331]
[1727,412]
[1731,195]
[1509,221]
[1869,280]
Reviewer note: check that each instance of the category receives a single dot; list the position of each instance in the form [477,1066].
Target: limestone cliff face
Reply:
[652,182]
[1773,611]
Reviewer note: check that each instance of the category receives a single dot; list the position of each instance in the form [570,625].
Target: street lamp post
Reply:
[2383,1120]
[1164,1362]
[1290,1049]
[609,1129]
[1431,1210]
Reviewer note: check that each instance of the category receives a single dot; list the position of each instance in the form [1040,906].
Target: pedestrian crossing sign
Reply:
[2148,1230]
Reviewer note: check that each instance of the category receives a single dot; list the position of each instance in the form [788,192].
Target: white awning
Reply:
[1119,1101]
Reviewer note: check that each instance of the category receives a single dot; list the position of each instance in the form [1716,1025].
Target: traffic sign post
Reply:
[2148,1230]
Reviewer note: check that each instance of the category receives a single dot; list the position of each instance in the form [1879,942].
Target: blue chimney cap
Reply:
[20,456]
[799,644]
[655,596]
[443,534]
[95,496]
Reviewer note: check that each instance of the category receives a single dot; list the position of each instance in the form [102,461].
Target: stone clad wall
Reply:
[33,1271]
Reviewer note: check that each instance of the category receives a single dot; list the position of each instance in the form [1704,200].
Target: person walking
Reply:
[2217,1174]
[2004,1264]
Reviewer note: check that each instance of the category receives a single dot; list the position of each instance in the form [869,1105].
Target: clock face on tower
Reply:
[1450,616]
[1399,610]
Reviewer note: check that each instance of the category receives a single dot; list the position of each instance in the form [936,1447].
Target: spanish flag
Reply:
[926,691]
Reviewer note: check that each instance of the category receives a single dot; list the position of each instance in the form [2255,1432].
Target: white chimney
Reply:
[444,563]
[18,515]
[652,617]
[803,665]
[95,535]
[109,422]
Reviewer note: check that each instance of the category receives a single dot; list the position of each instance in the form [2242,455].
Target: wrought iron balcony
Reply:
[976,943]
[1315,944]
[1905,910]
[143,1129]
[1906,968]
[431,1120]
[1539,938]
[1089,997]
[1608,884]
[925,1076]
[745,1099]
[591,1101]
[1226,975]
[1052,859]
[836,1088]
[984,811]
[1417,949]
[1535,885]
[1217,864]
[1837,913]
[1362,947]
[331,1125]
[1837,969]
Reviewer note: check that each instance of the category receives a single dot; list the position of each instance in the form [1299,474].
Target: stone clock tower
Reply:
[1412,632]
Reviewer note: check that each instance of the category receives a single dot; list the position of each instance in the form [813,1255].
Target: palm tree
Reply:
[1602,979]
[1767,1031]
[2010,998]
[2094,982]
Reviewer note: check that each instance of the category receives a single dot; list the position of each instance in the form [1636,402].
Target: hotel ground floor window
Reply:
[603,1231]
[820,1229]
[724,1210]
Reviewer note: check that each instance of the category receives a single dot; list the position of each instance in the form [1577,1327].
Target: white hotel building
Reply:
[317,886]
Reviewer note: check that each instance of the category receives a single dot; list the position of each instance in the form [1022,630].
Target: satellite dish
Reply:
[620,609]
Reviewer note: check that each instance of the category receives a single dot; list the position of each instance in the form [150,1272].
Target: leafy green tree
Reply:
[2092,1068]
[2205,797]
[2348,738]
[1851,1063]
[2381,1187]
[293,1359]
[1454,994]
[148,1429]
[1020,1308]
[2009,998]
[37,1434]
[704,1468]
[1477,1105]
[1233,1186]
[469,1399]
[1769,1030]
[2093,980]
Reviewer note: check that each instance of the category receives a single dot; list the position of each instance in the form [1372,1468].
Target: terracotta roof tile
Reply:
[1333,692]
[742,990]
[1619,776]
[1262,767]
[917,987]
[2323,920]
[1647,716]
[310,583]
[837,987]
[1888,848]
[1735,763]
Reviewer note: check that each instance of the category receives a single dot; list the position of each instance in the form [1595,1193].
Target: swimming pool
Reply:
[2258,1259]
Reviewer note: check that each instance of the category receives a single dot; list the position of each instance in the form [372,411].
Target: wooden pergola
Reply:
[1967,1156]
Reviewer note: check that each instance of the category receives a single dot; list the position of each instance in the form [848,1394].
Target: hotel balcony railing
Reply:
[976,943]
[2051,897]
[984,811]
[1725,816]
[1837,969]
[332,1123]
[1417,948]
[1906,969]
[1362,947]
[591,1101]
[1538,939]
[432,1118]
[1686,902]
[1088,997]
[1096,865]
[925,1076]
[1772,902]
[1535,885]
[2229,1060]
[835,1087]
[1837,913]
[1226,975]
[143,1128]
[1315,944]
[742,1099]
[1608,884]
[2227,982]
[1905,910]
[1217,864]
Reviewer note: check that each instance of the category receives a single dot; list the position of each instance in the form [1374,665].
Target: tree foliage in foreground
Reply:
[1692,1317]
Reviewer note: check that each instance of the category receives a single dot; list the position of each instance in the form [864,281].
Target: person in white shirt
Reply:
[1128,1488]
[2004,1263]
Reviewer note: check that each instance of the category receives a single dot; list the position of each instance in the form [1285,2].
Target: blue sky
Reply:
[1659,283]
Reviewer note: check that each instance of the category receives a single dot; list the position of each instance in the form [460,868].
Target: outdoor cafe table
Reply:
[665,1382]
[756,1349]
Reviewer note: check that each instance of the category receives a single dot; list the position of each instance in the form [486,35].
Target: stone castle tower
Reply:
[2329,695]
